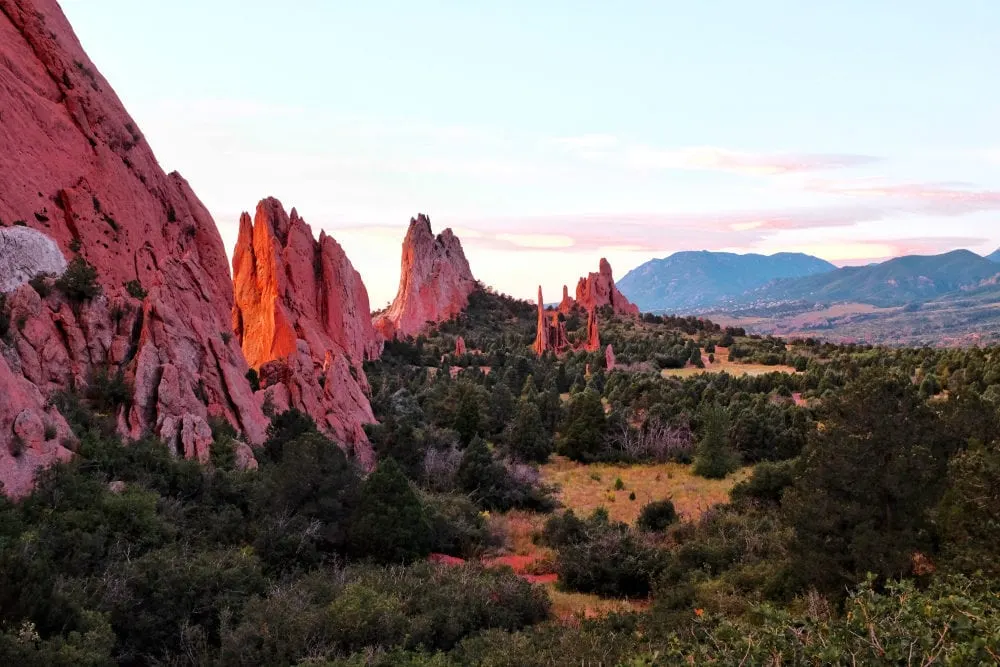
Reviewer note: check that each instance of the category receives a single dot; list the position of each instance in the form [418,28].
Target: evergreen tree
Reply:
[468,418]
[584,427]
[866,482]
[526,437]
[390,524]
[714,456]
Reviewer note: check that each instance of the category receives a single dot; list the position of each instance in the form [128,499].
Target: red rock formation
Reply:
[593,343]
[598,290]
[459,346]
[301,314]
[609,357]
[550,332]
[558,338]
[76,168]
[541,345]
[434,284]
[567,304]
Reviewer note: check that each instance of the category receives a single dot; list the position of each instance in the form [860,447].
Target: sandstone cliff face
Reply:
[609,358]
[598,290]
[76,168]
[302,317]
[434,284]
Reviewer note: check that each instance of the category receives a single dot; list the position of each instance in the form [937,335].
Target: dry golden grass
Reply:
[519,528]
[584,488]
[722,363]
[568,606]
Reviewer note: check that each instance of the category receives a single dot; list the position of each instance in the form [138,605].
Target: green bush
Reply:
[603,557]
[254,379]
[108,390]
[135,289]
[79,282]
[457,526]
[492,485]
[767,483]
[389,524]
[42,284]
[373,609]
[283,428]
[657,516]
[306,501]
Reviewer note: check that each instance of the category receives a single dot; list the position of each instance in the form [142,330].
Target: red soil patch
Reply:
[445,559]
[519,564]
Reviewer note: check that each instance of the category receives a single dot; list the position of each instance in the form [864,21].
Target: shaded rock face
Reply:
[76,168]
[609,357]
[24,253]
[460,346]
[598,290]
[434,284]
[301,316]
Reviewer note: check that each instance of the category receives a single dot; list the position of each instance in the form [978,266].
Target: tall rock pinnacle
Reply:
[75,167]
[301,315]
[434,284]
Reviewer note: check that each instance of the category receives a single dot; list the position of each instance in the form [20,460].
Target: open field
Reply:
[722,363]
[584,488]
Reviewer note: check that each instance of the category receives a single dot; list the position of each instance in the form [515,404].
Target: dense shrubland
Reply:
[866,533]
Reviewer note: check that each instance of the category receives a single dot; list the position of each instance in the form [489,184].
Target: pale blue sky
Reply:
[551,133]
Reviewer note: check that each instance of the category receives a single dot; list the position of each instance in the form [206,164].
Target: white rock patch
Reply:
[24,253]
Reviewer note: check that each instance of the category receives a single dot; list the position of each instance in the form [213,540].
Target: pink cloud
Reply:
[706,158]
[654,232]
[709,158]
[932,198]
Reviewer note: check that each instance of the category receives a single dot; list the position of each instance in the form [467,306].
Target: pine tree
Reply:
[584,427]
[715,457]
[468,420]
[389,524]
[526,437]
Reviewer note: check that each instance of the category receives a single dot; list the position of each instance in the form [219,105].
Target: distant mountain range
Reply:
[896,282]
[694,281]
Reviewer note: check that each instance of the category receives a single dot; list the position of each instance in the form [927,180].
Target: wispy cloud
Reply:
[650,232]
[706,158]
[930,198]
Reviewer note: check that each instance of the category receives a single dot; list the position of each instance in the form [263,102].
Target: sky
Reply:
[550,134]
